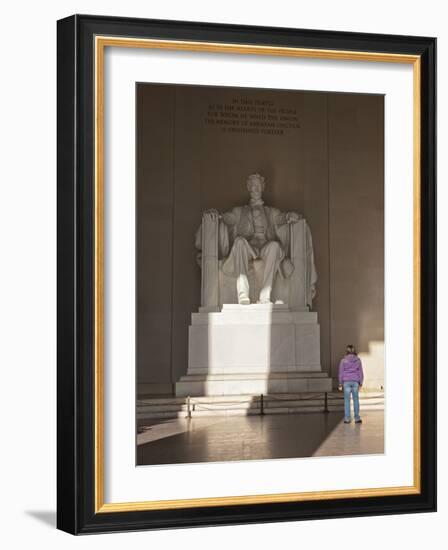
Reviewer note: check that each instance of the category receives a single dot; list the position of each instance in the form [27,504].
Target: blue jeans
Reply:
[351,388]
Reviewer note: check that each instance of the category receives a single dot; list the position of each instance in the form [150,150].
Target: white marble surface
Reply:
[256,337]
[251,385]
[253,349]
[254,314]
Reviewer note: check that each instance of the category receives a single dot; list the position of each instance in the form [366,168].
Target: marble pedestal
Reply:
[253,349]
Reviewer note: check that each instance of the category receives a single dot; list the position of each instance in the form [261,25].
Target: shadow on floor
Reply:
[217,439]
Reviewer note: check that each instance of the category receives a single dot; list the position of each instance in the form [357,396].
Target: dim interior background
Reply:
[327,164]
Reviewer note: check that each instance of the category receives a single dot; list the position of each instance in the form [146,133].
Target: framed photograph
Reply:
[246,274]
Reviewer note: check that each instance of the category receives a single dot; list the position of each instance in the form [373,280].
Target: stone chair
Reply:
[295,291]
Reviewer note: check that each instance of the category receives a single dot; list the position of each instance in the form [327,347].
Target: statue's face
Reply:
[255,188]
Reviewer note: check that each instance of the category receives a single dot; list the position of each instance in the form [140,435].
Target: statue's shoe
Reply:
[243,300]
[264,302]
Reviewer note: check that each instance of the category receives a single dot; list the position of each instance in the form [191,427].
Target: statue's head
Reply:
[255,185]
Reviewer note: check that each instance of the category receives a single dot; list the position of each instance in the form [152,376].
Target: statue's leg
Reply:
[242,253]
[271,254]
[242,288]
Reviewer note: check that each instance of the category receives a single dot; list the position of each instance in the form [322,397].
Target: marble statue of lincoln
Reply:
[254,231]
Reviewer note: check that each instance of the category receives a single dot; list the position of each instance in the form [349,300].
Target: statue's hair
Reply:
[257,176]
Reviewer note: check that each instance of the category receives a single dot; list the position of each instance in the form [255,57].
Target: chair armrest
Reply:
[209,260]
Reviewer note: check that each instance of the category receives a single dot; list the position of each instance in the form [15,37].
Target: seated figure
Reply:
[254,233]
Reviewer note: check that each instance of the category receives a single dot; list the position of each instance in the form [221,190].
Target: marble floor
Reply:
[218,439]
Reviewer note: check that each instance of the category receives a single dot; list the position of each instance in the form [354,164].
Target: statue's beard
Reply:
[256,202]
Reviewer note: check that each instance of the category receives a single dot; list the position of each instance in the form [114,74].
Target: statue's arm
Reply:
[283,218]
[230,217]
[279,217]
[221,223]
[227,227]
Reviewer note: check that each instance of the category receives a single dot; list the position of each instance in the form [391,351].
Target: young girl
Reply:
[351,378]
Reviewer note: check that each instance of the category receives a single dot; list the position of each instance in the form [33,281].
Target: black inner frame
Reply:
[75,299]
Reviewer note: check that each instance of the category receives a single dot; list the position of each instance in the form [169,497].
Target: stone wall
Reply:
[321,155]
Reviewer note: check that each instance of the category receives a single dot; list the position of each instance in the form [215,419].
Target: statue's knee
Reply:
[239,242]
[273,247]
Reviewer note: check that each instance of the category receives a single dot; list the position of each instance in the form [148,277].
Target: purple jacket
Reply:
[350,369]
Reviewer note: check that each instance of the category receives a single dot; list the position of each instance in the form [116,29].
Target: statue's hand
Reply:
[212,214]
[313,292]
[293,217]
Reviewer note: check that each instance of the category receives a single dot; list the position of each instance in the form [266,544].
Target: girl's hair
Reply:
[350,349]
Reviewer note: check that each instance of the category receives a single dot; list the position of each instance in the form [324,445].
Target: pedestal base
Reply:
[253,384]
[253,349]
